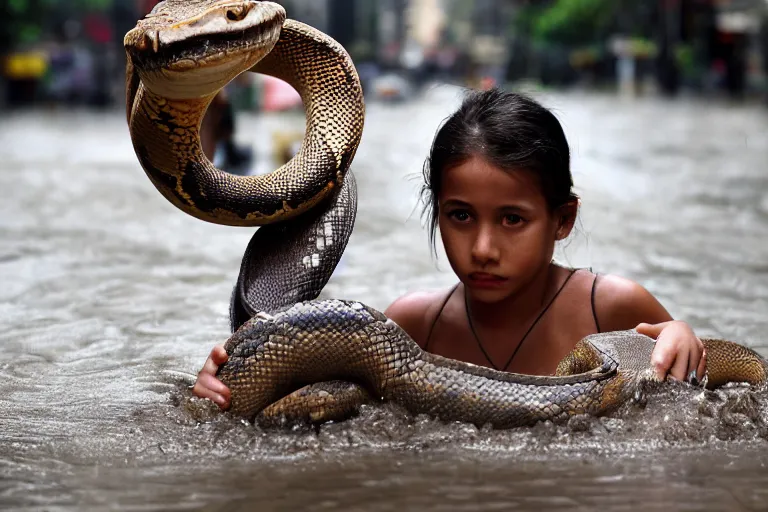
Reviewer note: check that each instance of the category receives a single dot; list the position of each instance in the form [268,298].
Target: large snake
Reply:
[292,356]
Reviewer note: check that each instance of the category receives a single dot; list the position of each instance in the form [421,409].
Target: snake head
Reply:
[192,48]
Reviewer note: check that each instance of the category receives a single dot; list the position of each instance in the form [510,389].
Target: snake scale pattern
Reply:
[292,357]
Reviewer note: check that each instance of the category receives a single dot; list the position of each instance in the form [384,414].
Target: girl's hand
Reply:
[678,352]
[207,385]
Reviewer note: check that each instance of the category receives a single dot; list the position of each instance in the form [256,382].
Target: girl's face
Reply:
[498,231]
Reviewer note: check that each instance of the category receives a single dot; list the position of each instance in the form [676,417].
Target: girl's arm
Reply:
[622,304]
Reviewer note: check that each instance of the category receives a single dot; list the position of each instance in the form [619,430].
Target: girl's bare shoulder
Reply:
[621,303]
[416,311]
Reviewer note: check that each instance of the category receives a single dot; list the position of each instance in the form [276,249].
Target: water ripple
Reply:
[112,298]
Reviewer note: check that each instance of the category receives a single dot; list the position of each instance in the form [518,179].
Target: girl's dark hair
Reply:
[509,130]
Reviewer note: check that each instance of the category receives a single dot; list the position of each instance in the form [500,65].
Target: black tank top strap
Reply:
[592,299]
[440,312]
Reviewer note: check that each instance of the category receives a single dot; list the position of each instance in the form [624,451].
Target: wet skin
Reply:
[499,235]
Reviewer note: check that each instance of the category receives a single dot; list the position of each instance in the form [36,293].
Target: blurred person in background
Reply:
[218,128]
[218,133]
[72,66]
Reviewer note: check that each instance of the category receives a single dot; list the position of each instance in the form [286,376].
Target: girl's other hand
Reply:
[207,385]
[678,351]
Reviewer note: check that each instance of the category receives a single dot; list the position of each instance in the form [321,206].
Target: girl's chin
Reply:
[486,293]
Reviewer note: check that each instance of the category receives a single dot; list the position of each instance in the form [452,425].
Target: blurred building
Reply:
[712,45]
[413,34]
[741,31]
[56,50]
[315,13]
[425,21]
[391,31]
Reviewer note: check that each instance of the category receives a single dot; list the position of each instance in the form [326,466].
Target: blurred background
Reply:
[70,51]
[111,298]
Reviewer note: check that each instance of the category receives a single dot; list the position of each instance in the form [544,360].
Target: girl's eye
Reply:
[512,219]
[459,215]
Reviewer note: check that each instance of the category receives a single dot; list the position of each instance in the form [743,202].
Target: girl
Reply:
[499,187]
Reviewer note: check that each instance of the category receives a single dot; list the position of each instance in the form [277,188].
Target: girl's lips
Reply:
[483,279]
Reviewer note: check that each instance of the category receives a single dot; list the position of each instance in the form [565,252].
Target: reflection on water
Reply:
[111,298]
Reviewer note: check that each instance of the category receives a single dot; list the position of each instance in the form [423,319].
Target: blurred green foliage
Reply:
[22,22]
[574,21]
[579,22]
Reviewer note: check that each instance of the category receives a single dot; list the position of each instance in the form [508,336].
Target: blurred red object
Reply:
[98,28]
[487,83]
[278,95]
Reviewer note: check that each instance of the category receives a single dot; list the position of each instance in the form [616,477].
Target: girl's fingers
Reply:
[210,382]
[210,367]
[679,369]
[217,358]
[219,355]
[203,392]
[661,360]
[696,362]
[701,371]
[652,330]
[208,386]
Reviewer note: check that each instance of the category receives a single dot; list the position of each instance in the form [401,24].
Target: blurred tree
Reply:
[574,21]
[20,22]
[23,22]
[582,22]
[558,41]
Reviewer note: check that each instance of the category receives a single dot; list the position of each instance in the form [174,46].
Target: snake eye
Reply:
[237,14]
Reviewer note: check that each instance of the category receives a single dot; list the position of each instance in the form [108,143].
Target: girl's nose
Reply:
[484,250]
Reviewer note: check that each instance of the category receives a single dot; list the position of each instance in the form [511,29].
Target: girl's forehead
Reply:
[478,179]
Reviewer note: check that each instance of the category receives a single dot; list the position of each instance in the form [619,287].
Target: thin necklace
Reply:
[520,344]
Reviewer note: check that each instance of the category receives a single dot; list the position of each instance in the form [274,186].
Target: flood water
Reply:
[110,300]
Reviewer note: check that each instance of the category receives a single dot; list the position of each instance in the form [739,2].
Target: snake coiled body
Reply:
[271,356]
[179,57]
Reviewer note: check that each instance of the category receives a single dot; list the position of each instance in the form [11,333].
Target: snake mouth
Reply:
[224,32]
